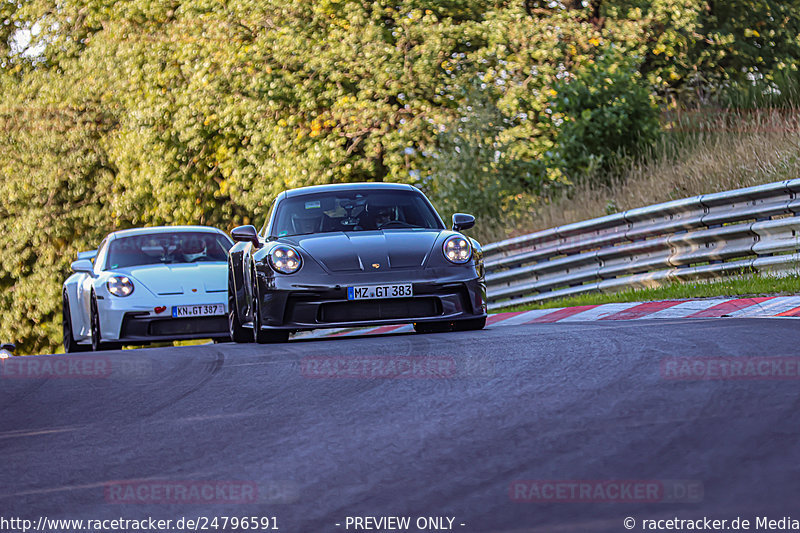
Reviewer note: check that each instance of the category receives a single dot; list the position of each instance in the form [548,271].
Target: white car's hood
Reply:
[183,278]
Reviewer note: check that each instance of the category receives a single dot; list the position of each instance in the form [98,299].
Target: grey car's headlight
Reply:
[457,249]
[120,286]
[285,259]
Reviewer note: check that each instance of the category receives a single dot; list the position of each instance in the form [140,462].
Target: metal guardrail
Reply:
[707,236]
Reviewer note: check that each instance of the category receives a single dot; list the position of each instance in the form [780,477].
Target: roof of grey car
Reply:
[372,186]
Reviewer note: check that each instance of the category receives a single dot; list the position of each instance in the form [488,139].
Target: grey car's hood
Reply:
[363,250]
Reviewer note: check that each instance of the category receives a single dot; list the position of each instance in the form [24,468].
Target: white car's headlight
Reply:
[285,259]
[120,286]
[457,249]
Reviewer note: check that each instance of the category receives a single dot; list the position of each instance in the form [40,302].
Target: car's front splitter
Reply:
[324,307]
[138,327]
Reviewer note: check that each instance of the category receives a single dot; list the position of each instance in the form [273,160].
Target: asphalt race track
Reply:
[438,425]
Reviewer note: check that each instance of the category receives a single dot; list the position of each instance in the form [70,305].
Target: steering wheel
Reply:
[397,223]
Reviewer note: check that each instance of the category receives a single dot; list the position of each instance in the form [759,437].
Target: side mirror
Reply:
[9,347]
[83,266]
[91,254]
[246,234]
[462,221]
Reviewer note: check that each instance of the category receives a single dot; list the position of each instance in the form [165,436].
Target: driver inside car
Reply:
[193,249]
[382,215]
[305,223]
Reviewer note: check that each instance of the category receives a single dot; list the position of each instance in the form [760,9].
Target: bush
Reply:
[608,113]
[477,169]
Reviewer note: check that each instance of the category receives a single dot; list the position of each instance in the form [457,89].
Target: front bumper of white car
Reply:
[152,321]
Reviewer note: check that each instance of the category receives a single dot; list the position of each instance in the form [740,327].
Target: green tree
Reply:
[476,169]
[56,186]
[605,111]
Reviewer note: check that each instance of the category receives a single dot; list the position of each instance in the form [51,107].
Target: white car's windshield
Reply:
[167,248]
[353,211]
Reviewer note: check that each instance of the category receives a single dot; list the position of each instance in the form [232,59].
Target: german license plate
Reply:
[369,292]
[181,311]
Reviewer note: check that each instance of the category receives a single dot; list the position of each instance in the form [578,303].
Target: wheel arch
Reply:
[70,290]
[236,275]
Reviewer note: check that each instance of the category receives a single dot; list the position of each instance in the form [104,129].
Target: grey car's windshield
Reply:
[167,248]
[353,211]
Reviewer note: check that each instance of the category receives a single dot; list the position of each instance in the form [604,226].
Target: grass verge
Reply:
[728,151]
[748,285]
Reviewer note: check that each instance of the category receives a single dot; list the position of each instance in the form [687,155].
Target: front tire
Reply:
[261,336]
[97,341]
[237,332]
[70,344]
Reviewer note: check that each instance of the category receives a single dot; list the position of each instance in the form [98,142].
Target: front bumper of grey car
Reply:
[439,295]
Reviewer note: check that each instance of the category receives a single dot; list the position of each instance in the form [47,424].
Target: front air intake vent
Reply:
[379,310]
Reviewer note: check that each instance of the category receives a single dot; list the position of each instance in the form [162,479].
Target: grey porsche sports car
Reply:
[353,255]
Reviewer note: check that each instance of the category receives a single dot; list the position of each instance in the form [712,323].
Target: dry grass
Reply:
[750,150]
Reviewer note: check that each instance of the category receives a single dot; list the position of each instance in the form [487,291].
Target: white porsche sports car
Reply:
[148,284]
